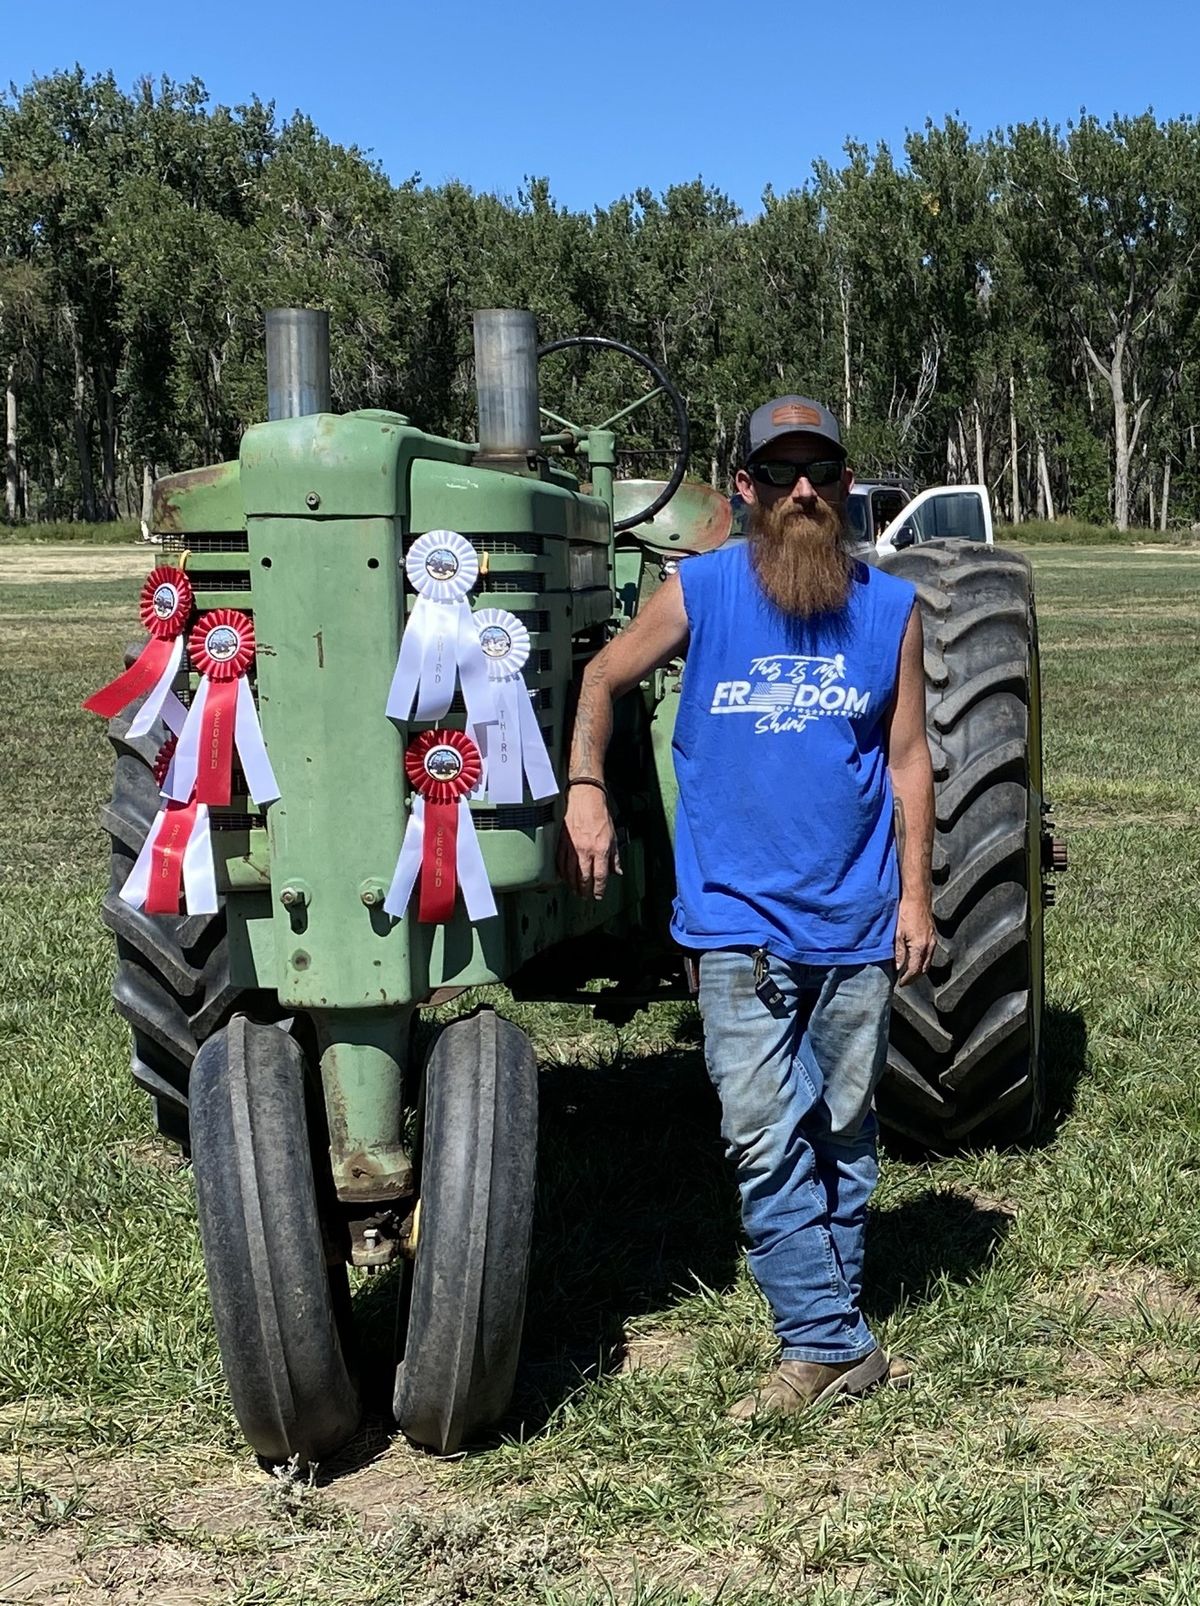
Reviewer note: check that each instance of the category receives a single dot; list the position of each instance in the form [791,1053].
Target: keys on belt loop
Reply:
[765,985]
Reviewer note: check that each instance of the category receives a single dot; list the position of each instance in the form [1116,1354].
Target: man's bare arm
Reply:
[586,848]
[912,788]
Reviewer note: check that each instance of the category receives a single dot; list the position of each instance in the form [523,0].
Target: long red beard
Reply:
[801,559]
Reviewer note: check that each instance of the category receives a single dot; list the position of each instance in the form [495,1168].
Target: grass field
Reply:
[1051,1448]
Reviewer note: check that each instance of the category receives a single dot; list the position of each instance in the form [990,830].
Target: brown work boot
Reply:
[799,1385]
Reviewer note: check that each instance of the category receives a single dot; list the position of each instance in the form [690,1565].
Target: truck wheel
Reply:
[281,1313]
[964,1057]
[172,981]
[478,1161]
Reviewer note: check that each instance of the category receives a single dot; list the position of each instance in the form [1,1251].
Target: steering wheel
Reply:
[663,387]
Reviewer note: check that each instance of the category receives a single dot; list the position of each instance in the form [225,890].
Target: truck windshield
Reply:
[958,517]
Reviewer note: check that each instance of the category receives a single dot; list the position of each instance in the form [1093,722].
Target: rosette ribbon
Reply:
[176,856]
[440,846]
[439,645]
[513,747]
[222,717]
[165,607]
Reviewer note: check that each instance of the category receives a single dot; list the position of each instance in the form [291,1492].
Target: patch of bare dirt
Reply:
[399,1481]
[1090,1415]
[54,564]
[656,1350]
[1142,1291]
[56,1568]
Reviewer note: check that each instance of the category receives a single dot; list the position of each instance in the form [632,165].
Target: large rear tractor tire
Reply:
[964,1058]
[281,1313]
[172,981]
[478,1162]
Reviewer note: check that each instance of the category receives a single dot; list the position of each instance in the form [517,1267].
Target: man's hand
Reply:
[916,939]
[587,843]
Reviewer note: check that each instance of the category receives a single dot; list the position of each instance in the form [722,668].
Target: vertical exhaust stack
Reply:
[297,362]
[506,383]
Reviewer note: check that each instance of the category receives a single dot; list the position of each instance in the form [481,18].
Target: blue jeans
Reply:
[796,1090]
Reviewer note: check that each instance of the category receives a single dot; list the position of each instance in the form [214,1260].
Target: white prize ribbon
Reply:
[247,738]
[181,776]
[513,748]
[154,704]
[473,882]
[252,749]
[439,645]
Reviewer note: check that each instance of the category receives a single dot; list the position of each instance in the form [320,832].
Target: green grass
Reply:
[1075,532]
[1050,1451]
[114,532]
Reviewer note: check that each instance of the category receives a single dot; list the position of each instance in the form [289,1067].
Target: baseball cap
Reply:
[790,415]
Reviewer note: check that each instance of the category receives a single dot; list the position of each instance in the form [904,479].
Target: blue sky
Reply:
[605,98]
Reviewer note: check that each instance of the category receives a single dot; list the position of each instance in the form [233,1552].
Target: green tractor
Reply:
[273,1009]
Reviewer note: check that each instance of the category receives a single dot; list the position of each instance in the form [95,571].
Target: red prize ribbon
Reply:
[166,858]
[221,647]
[170,843]
[443,767]
[165,606]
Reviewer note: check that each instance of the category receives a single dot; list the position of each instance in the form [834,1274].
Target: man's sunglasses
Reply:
[784,475]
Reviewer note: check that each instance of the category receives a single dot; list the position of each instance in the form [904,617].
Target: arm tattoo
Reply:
[585,760]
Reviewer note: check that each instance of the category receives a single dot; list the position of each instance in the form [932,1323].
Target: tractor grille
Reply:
[217,580]
[504,817]
[238,541]
[228,820]
[540,696]
[517,582]
[514,546]
[513,817]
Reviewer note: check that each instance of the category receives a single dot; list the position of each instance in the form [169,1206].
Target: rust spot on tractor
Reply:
[171,492]
[360,1177]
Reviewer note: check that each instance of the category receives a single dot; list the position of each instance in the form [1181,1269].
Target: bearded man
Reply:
[803,842]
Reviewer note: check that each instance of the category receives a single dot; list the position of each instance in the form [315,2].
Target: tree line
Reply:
[1018,309]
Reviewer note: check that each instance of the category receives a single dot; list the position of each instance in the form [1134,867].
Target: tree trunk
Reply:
[1166,492]
[1125,433]
[844,297]
[12,471]
[107,415]
[980,459]
[147,495]
[83,444]
[1016,464]
[1047,494]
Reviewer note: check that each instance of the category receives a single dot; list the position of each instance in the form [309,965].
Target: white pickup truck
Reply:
[886,516]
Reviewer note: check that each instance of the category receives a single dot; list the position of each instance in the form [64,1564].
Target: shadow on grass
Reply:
[1064,1062]
[637,1206]
[635,1209]
[913,1247]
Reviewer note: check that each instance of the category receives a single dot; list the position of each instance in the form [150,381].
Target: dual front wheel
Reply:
[282,1313]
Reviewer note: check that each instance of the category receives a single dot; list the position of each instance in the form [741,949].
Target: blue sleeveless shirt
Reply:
[783,836]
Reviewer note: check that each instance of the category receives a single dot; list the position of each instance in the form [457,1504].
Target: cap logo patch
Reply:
[794,413]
